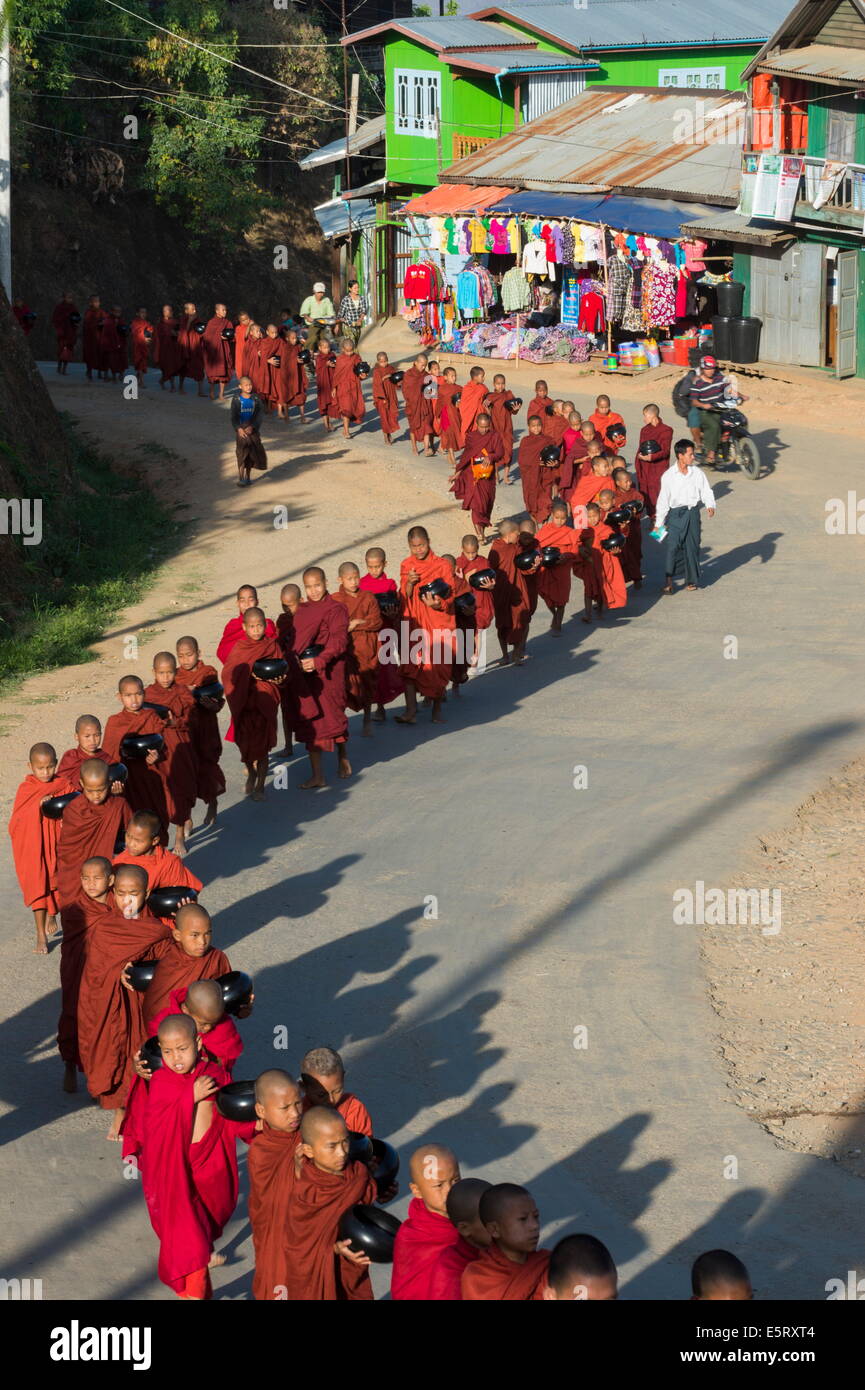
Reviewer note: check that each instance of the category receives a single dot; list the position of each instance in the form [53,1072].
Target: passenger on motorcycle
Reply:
[701,395]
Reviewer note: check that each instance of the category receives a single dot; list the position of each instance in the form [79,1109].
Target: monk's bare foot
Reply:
[505,661]
[215,1261]
[584,619]
[379,717]
[210,815]
[51,926]
[250,784]
[344,768]
[312,783]
[70,1078]
[366,731]
[438,718]
[403,719]
[41,947]
[188,827]
[114,1132]
[180,844]
[259,794]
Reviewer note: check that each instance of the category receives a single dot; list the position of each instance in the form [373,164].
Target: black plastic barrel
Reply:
[731,297]
[745,339]
[721,336]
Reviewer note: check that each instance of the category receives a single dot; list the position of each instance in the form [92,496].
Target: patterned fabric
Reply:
[620,280]
[353,311]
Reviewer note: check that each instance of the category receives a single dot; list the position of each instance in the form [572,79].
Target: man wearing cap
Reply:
[706,394]
[314,308]
[684,489]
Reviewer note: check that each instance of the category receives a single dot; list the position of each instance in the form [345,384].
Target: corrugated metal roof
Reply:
[448,198]
[650,23]
[614,137]
[367,134]
[798,26]
[828,62]
[733,226]
[446,33]
[531,58]
[336,217]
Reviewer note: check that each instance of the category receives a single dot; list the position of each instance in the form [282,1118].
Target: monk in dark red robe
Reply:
[467,563]
[324,363]
[92,824]
[142,846]
[651,467]
[274,382]
[511,1269]
[192,672]
[191,344]
[112,348]
[141,332]
[166,349]
[294,383]
[319,679]
[66,330]
[472,400]
[446,415]
[255,355]
[247,597]
[418,407]
[538,404]
[384,397]
[427,1231]
[322,1076]
[272,1167]
[612,578]
[145,784]
[180,772]
[34,840]
[91,331]
[514,596]
[218,352]
[347,393]
[364,623]
[503,423]
[327,1186]
[92,903]
[557,424]
[254,703]
[187,955]
[632,555]
[537,480]
[241,328]
[475,475]
[554,582]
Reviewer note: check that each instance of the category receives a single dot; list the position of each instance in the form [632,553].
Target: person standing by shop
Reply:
[353,313]
[315,310]
[684,489]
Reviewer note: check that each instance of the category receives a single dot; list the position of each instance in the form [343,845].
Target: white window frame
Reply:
[417,101]
[707,79]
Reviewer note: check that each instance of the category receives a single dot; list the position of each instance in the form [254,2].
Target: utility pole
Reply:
[5,155]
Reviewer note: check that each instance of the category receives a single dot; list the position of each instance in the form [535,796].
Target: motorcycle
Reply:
[736,445]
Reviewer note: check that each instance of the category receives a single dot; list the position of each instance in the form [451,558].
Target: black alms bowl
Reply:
[311,652]
[613,543]
[475,579]
[550,555]
[162,710]
[53,808]
[141,974]
[236,988]
[617,517]
[151,1053]
[164,901]
[526,559]
[117,772]
[439,587]
[465,605]
[397,377]
[236,1101]
[514,405]
[137,746]
[269,668]
[359,1147]
[550,453]
[370,1230]
[211,690]
[361,369]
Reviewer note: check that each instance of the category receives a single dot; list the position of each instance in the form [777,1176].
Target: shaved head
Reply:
[130,683]
[247,588]
[717,1270]
[98,862]
[148,821]
[317,571]
[271,1083]
[290,591]
[204,999]
[317,1120]
[464,1199]
[348,567]
[252,613]
[178,1024]
[322,1061]
[190,642]
[577,1261]
[131,874]
[496,1200]
[86,721]
[427,1161]
[43,750]
[189,915]
[94,771]
[418,533]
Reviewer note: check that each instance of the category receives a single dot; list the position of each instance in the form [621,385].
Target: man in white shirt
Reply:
[684,489]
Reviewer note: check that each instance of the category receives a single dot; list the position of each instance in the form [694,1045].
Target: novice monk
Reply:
[324,361]
[418,409]
[186,955]
[463,1209]
[603,418]
[289,599]
[557,423]
[512,1268]
[651,464]
[513,596]
[554,583]
[364,623]
[612,578]
[323,1076]
[427,1232]
[145,783]
[218,352]
[188,1159]
[384,397]
[203,725]
[179,768]
[503,423]
[347,393]
[581,1269]
[389,684]
[538,406]
[143,847]
[474,480]
[575,422]
[428,671]
[294,380]
[88,736]
[319,1266]
[718,1276]
[91,825]
[588,568]
[467,563]
[472,400]
[247,597]
[446,415]
[318,678]
[272,1167]
[34,841]
[535,478]
[110,1027]
[632,555]
[254,703]
[92,902]
[375,581]
[588,488]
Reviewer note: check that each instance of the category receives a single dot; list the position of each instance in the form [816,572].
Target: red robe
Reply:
[204,728]
[293,376]
[584,491]
[254,703]
[180,771]
[240,332]
[446,417]
[324,364]
[514,596]
[361,666]
[145,785]
[191,348]
[174,970]
[602,424]
[418,409]
[554,585]
[503,423]
[85,832]
[556,428]
[112,348]
[433,567]
[537,480]
[615,593]
[110,1025]
[190,1189]
[34,841]
[590,569]
[321,694]
[274,388]
[651,471]
[446,1278]
[255,355]
[389,684]
[421,1241]
[572,467]
[347,395]
[90,338]
[632,555]
[270,1166]
[478,493]
[79,917]
[232,633]
[218,352]
[471,404]
[140,344]
[538,406]
[492,1277]
[66,331]
[484,611]
[353,1111]
[385,399]
[163,867]
[316,1202]
[166,350]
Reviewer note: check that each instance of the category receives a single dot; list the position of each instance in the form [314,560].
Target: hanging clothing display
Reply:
[516,291]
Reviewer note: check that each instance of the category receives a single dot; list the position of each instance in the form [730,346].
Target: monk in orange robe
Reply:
[319,1266]
[472,399]
[554,581]
[432,627]
[512,1269]
[603,419]
[34,840]
[254,703]
[632,555]
[218,352]
[142,846]
[514,596]
[502,417]
[364,623]
[322,1073]
[179,770]
[92,903]
[418,407]
[88,744]
[166,352]
[427,1231]
[384,396]
[145,784]
[539,403]
[588,488]
[187,954]
[347,393]
[272,1167]
[192,672]
[92,824]
[141,332]
[612,578]
[446,415]
[110,1025]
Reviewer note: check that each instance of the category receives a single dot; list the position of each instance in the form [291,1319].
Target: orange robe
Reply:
[163,867]
[145,785]
[179,772]
[85,832]
[554,585]
[429,667]
[586,490]
[361,667]
[353,1111]
[347,393]
[471,404]
[204,729]
[602,424]
[176,970]
[69,766]
[492,1277]
[615,592]
[34,841]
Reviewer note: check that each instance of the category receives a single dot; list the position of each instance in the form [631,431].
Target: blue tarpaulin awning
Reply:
[333,217]
[660,217]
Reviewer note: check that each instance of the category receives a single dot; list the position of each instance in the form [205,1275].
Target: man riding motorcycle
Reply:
[701,396]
